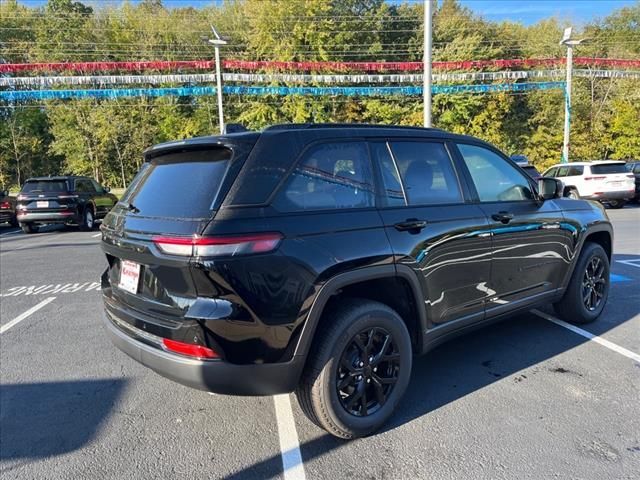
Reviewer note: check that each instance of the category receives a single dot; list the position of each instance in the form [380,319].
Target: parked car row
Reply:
[68,200]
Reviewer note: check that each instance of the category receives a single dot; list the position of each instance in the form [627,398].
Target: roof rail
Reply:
[302,126]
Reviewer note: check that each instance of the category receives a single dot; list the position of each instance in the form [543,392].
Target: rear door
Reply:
[432,229]
[530,246]
[85,191]
[174,195]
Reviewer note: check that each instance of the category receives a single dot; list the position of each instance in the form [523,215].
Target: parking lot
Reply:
[526,398]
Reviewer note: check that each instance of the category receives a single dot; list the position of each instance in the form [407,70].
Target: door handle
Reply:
[411,225]
[504,217]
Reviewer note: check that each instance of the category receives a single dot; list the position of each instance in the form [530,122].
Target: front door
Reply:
[432,230]
[531,246]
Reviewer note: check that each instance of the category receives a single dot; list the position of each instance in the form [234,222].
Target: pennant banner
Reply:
[291,78]
[308,66]
[24,95]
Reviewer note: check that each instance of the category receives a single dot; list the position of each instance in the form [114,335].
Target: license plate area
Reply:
[129,276]
[42,204]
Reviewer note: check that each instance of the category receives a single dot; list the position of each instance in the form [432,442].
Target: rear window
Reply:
[179,185]
[608,168]
[531,171]
[44,186]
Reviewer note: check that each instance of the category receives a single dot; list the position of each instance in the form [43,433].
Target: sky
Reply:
[524,11]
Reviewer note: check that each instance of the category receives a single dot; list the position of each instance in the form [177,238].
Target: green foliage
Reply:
[105,138]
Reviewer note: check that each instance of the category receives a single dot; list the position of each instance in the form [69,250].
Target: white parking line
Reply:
[632,263]
[590,336]
[97,235]
[21,317]
[289,444]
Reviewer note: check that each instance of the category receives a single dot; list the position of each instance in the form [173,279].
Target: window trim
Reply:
[302,155]
[444,142]
[513,166]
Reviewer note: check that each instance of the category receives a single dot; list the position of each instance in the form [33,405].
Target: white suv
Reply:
[605,181]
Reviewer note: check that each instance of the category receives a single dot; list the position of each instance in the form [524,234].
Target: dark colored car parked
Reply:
[7,208]
[70,200]
[322,258]
[634,167]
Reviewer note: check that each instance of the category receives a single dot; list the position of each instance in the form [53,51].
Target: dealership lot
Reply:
[526,398]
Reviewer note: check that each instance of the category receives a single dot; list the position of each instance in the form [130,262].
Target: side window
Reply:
[563,172]
[575,171]
[636,169]
[81,186]
[330,176]
[96,186]
[427,172]
[551,172]
[393,191]
[495,179]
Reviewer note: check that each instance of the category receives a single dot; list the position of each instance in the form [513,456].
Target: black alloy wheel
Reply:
[367,372]
[594,284]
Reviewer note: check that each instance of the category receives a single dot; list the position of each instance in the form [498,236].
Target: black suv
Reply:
[8,208]
[70,200]
[321,258]
[634,167]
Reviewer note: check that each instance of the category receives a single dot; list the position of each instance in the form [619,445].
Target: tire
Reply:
[335,356]
[28,228]
[617,203]
[88,220]
[574,307]
[573,193]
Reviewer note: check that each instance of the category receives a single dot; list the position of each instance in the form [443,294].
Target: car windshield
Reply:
[605,168]
[44,186]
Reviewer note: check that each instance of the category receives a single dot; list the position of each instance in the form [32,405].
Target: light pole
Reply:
[428,47]
[217,42]
[570,43]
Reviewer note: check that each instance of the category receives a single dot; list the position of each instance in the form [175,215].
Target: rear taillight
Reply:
[218,246]
[5,206]
[594,178]
[189,349]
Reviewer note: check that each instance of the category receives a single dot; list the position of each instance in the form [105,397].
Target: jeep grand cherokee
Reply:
[321,258]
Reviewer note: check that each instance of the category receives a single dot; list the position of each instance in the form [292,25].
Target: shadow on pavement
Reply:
[41,420]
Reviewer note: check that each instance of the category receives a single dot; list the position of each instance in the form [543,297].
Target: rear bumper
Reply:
[47,217]
[210,375]
[617,195]
[6,216]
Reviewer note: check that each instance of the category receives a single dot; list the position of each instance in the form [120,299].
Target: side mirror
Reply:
[4,193]
[106,189]
[549,188]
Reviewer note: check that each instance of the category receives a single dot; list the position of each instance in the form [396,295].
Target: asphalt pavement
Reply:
[525,398]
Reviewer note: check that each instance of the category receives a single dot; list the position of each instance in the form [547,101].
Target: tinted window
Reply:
[45,186]
[180,185]
[84,186]
[495,178]
[97,186]
[427,173]
[336,175]
[605,168]
[562,172]
[575,171]
[389,173]
[551,172]
[636,169]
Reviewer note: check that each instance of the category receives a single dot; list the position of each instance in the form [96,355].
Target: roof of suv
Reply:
[54,178]
[308,131]
[593,162]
